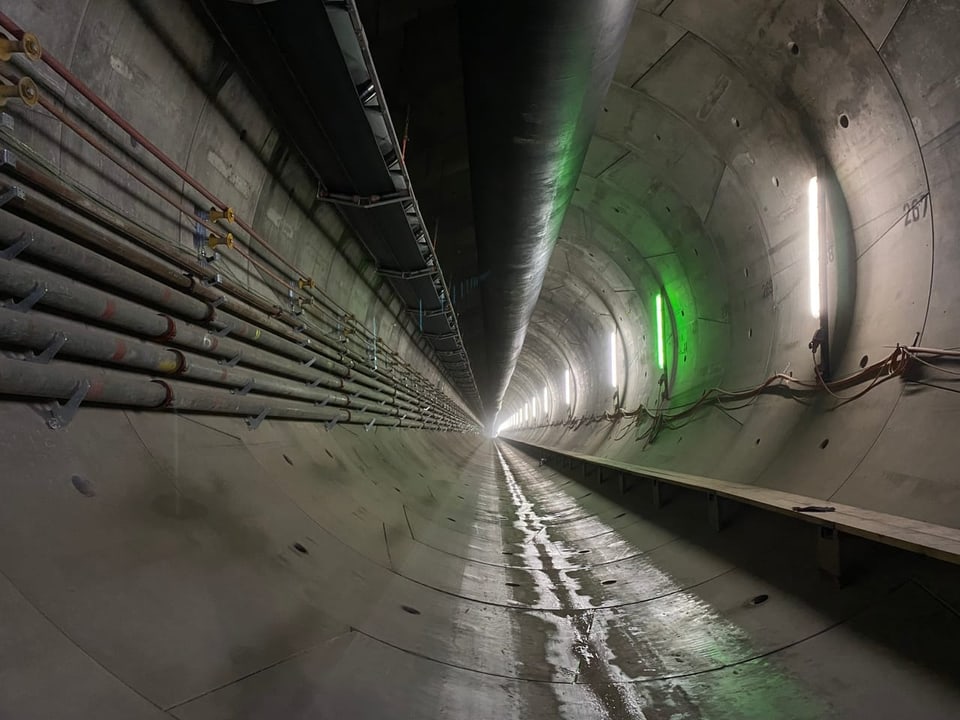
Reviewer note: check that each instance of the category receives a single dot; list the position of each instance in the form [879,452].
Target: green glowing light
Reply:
[660,331]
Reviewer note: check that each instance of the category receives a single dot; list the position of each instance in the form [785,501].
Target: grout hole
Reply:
[300,548]
[289,461]
[826,441]
[757,441]
[864,360]
[608,582]
[397,489]
[411,610]
[759,599]
[83,486]
[794,48]
[844,121]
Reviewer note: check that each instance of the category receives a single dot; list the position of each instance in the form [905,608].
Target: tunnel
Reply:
[448,359]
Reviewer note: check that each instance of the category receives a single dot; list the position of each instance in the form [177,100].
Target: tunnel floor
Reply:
[159,565]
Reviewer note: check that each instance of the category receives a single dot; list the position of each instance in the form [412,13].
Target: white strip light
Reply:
[613,358]
[566,386]
[813,238]
[546,401]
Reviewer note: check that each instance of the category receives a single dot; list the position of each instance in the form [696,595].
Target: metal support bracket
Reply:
[30,300]
[830,555]
[215,279]
[331,424]
[222,332]
[218,302]
[625,485]
[232,362]
[661,494]
[370,425]
[11,193]
[49,352]
[310,362]
[718,511]
[322,404]
[245,389]
[315,383]
[61,415]
[9,253]
[254,423]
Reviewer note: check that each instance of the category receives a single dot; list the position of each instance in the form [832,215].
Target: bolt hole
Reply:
[512,584]
[620,516]
[757,441]
[794,48]
[411,610]
[681,314]
[606,110]
[746,272]
[581,552]
[759,599]
[844,121]
[750,332]
[508,552]
[451,519]
[83,486]
[776,181]
[735,122]
[864,360]
[397,489]
[823,445]
[289,461]
[696,252]
[608,582]
[668,209]
[657,137]
[330,454]
[300,548]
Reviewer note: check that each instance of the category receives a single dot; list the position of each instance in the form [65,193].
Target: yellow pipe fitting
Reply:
[225,214]
[29,45]
[214,240]
[25,90]
[306,283]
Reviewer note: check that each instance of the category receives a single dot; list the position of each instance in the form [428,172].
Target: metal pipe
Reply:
[20,280]
[50,247]
[60,380]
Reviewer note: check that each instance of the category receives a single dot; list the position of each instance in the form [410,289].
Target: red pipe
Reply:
[11,27]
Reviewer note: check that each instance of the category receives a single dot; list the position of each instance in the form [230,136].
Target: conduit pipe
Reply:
[19,280]
[48,246]
[60,380]
[115,246]
[11,27]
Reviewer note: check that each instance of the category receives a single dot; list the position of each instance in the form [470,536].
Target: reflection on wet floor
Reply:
[626,655]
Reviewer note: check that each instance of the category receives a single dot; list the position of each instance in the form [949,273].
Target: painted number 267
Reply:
[915,209]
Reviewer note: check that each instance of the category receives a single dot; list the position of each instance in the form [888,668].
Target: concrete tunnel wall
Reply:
[696,184]
[157,565]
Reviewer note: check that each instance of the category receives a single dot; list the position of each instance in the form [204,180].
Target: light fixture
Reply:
[813,239]
[660,353]
[613,358]
[546,401]
[566,385]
